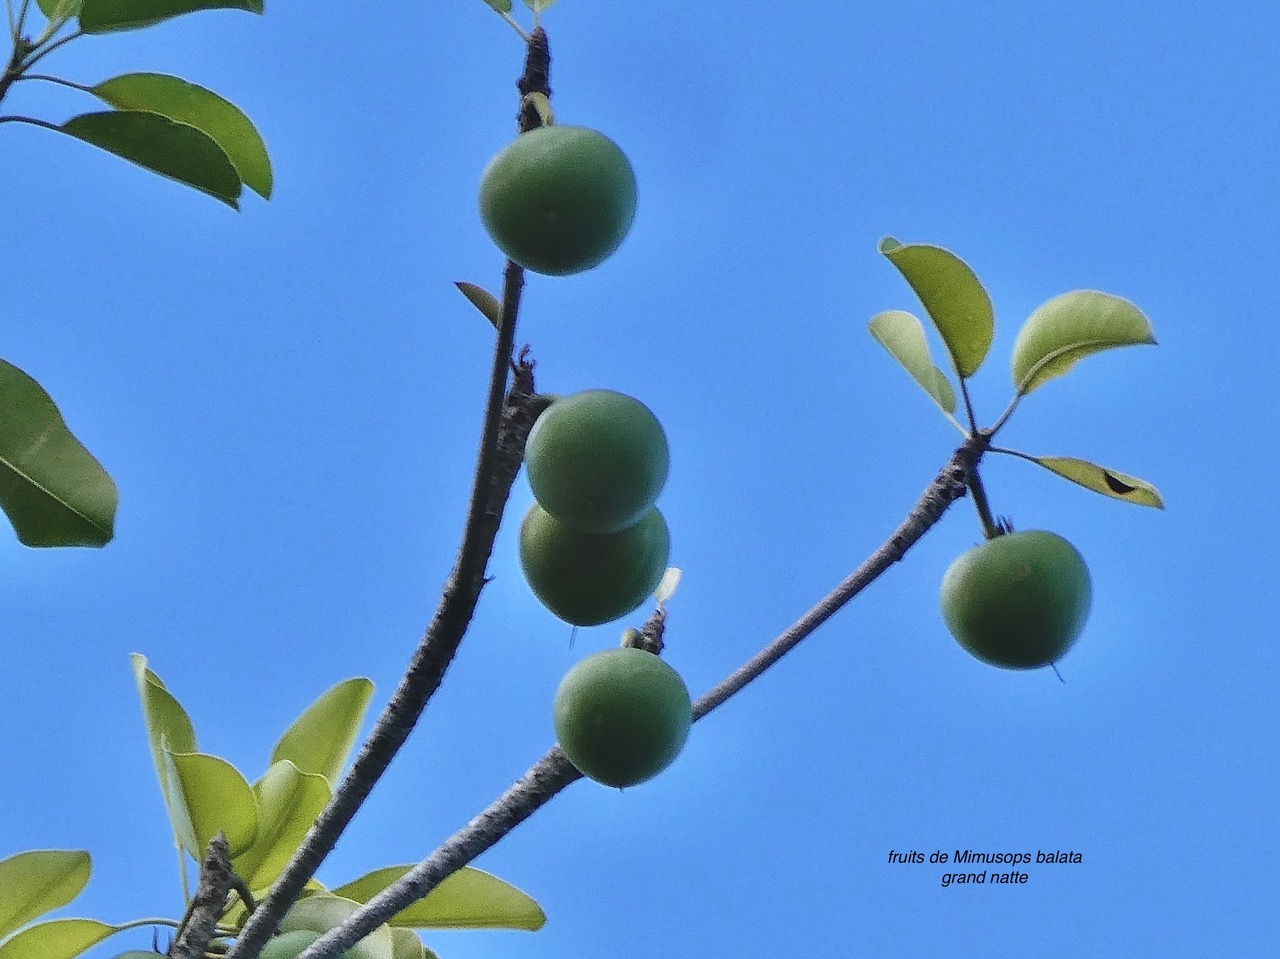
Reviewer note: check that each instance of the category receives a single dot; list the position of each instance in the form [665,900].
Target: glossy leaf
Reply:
[468,899]
[214,797]
[174,150]
[184,102]
[903,336]
[1108,482]
[168,727]
[1069,327]
[51,488]
[952,296]
[36,882]
[102,16]
[56,939]
[482,300]
[321,913]
[320,740]
[502,6]
[289,801]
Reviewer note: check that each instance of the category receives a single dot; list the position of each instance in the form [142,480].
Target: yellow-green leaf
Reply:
[289,801]
[203,109]
[56,939]
[1108,482]
[51,488]
[903,336]
[482,300]
[168,728]
[951,295]
[320,740]
[1064,330]
[405,944]
[321,913]
[214,798]
[36,882]
[468,899]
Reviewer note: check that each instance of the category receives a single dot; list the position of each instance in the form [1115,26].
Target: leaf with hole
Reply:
[40,881]
[1064,330]
[952,296]
[56,939]
[320,740]
[482,300]
[1108,482]
[103,16]
[467,899]
[174,150]
[51,488]
[903,336]
[184,102]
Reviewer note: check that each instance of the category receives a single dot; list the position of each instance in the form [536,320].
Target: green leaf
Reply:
[214,797]
[667,585]
[52,489]
[184,102]
[56,10]
[1069,327]
[102,16]
[174,150]
[36,882]
[405,944]
[538,5]
[56,939]
[468,899]
[903,336]
[1108,482]
[502,6]
[482,300]
[321,913]
[320,740]
[168,729]
[953,298]
[289,801]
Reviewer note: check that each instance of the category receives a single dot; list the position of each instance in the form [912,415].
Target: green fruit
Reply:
[592,578]
[558,199]
[597,460]
[289,945]
[1019,600]
[622,716]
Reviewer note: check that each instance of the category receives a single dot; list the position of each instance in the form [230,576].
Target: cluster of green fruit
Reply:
[1019,600]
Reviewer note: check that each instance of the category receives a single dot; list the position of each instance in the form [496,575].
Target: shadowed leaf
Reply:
[502,6]
[102,16]
[56,939]
[168,727]
[468,899]
[156,143]
[903,336]
[289,801]
[952,296]
[321,913]
[1069,327]
[1111,483]
[320,740]
[51,488]
[60,9]
[184,102]
[36,882]
[482,300]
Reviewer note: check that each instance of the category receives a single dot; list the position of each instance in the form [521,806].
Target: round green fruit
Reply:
[1017,601]
[592,578]
[289,945]
[597,460]
[558,199]
[622,716]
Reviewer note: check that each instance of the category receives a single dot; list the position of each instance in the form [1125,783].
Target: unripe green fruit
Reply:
[622,716]
[597,460]
[1017,601]
[289,945]
[558,199]
[592,578]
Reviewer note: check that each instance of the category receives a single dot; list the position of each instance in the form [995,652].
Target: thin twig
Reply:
[553,772]
[201,922]
[506,425]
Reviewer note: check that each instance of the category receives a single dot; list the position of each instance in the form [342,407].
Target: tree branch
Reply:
[553,772]
[201,921]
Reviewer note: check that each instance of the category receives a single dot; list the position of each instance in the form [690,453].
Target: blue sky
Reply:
[289,401]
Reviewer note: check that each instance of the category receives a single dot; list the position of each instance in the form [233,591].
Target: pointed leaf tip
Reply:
[902,334]
[482,300]
[952,296]
[34,883]
[1067,328]
[1099,479]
